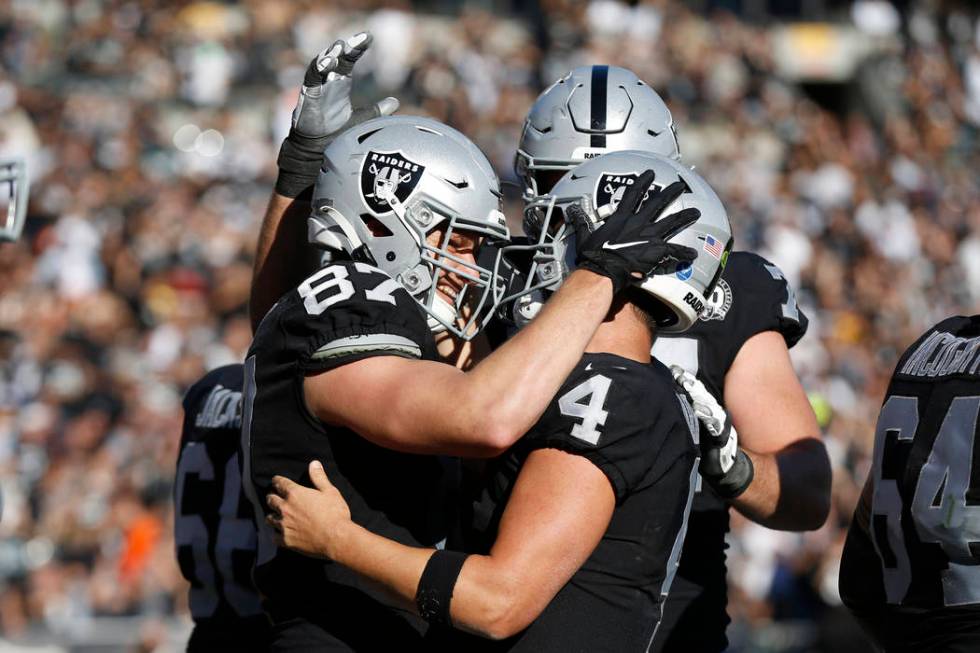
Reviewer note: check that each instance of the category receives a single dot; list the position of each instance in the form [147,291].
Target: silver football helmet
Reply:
[386,185]
[14,188]
[589,112]
[598,185]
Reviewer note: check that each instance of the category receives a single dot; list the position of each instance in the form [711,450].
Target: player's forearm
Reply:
[791,488]
[281,246]
[393,566]
[482,598]
[433,408]
[511,388]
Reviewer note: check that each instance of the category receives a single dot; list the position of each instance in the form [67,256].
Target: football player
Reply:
[214,527]
[344,370]
[14,190]
[910,570]
[582,519]
[775,470]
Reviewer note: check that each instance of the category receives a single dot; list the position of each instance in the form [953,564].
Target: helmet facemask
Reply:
[480,290]
[538,177]
[431,262]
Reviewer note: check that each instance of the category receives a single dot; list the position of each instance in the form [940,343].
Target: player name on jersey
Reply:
[222,409]
[942,354]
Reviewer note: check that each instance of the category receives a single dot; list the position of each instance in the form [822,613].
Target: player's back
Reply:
[627,419]
[343,313]
[911,565]
[214,529]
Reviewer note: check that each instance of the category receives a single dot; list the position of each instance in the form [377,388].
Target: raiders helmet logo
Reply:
[387,175]
[611,187]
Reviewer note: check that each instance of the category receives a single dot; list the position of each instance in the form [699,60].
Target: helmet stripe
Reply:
[600,77]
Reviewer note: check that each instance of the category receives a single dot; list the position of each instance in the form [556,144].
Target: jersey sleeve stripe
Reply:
[375,342]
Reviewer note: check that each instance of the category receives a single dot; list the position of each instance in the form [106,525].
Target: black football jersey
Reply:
[214,528]
[344,312]
[626,418]
[911,565]
[751,297]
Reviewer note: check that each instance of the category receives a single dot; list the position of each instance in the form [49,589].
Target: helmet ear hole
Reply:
[657,312]
[375,226]
[546,179]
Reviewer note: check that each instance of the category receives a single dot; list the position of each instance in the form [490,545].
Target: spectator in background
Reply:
[151,186]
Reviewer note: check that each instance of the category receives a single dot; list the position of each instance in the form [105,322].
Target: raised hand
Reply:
[324,110]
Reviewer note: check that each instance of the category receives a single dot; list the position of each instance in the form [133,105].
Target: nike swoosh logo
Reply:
[606,244]
[588,367]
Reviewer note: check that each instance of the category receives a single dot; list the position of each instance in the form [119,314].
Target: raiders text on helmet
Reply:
[599,184]
[14,189]
[591,111]
[386,185]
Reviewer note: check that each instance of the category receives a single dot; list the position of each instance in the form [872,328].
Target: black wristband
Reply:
[737,480]
[435,590]
[300,158]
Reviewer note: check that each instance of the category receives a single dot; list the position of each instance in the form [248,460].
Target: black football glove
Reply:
[322,112]
[724,466]
[632,243]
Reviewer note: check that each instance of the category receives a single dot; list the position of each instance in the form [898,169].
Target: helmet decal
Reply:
[611,186]
[387,174]
[719,302]
[600,79]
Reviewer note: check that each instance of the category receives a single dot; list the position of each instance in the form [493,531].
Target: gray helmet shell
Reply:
[14,190]
[591,111]
[598,185]
[386,184]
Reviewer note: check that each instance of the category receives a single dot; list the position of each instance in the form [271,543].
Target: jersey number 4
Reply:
[945,508]
[592,414]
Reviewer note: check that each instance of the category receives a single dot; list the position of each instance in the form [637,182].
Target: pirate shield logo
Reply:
[387,175]
[612,186]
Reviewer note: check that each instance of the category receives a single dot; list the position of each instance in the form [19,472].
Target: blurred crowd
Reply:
[151,129]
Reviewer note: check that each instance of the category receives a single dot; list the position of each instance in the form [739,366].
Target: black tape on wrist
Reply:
[737,480]
[300,158]
[435,590]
